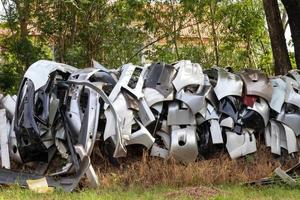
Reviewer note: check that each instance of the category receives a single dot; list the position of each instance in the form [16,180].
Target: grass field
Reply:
[201,192]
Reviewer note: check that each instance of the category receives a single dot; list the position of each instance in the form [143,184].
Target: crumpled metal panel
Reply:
[88,132]
[228,84]
[125,117]
[262,108]
[194,102]
[5,129]
[159,76]
[257,83]
[211,113]
[184,146]
[165,138]
[39,72]
[291,140]
[159,152]
[291,118]
[142,136]
[227,122]
[277,139]
[178,116]
[292,96]
[230,107]
[127,74]
[145,113]
[9,103]
[216,133]
[188,73]
[278,95]
[152,96]
[294,73]
[240,145]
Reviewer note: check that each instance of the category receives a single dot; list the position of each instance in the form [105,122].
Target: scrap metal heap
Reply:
[173,110]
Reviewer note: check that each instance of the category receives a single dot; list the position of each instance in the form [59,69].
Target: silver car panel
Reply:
[83,74]
[276,131]
[228,84]
[124,116]
[177,116]
[194,102]
[240,145]
[5,128]
[87,136]
[127,72]
[9,103]
[290,119]
[188,74]
[145,113]
[256,83]
[137,90]
[90,172]
[165,138]
[152,96]
[211,113]
[164,126]
[290,81]
[267,134]
[215,131]
[184,145]
[204,90]
[158,107]
[261,108]
[142,136]
[74,115]
[120,149]
[292,96]
[227,122]
[39,72]
[278,95]
[159,152]
[295,74]
[292,145]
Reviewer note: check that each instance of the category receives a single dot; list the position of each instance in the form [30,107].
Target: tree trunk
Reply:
[292,8]
[23,11]
[214,32]
[275,27]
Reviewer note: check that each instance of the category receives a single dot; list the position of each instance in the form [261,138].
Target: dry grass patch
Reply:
[147,171]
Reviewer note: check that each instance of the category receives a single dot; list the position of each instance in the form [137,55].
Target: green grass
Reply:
[226,192]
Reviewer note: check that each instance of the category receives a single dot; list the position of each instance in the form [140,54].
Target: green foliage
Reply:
[77,31]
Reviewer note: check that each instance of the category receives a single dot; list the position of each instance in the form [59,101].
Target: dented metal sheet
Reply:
[39,72]
[291,140]
[180,116]
[228,84]
[215,131]
[278,95]
[142,136]
[257,83]
[291,117]
[159,76]
[262,108]
[188,73]
[184,144]
[152,96]
[194,102]
[240,145]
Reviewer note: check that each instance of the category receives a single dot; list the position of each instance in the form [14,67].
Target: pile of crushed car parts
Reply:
[174,110]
